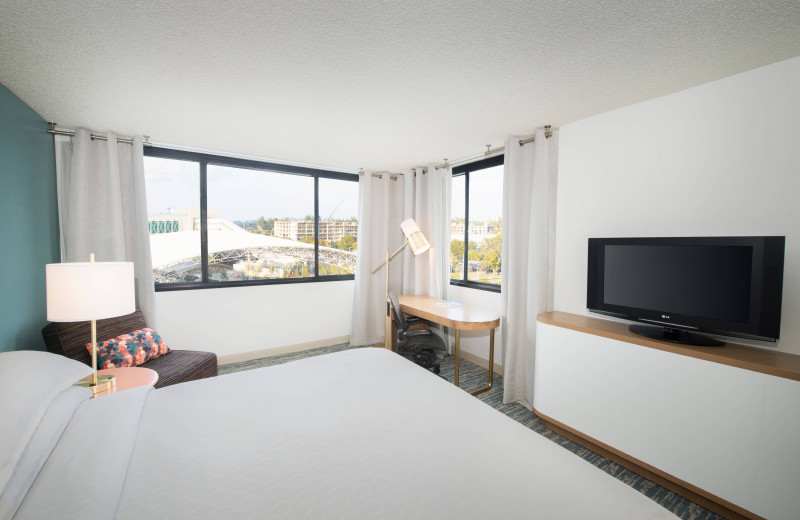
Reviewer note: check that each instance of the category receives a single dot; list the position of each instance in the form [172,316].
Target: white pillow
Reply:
[29,381]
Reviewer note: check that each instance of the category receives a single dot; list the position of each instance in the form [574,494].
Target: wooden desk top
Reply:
[780,364]
[461,317]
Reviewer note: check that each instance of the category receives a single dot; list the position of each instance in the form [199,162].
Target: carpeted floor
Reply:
[473,377]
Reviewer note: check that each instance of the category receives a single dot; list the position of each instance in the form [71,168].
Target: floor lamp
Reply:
[90,291]
[419,244]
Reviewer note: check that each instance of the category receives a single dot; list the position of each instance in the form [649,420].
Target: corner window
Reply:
[476,226]
[218,221]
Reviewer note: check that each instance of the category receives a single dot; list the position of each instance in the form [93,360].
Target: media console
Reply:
[718,425]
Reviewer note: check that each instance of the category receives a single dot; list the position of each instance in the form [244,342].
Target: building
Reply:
[329,230]
[487,227]
[178,220]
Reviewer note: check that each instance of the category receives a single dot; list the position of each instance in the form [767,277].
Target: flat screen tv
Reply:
[729,286]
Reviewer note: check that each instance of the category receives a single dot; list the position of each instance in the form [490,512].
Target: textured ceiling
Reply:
[380,84]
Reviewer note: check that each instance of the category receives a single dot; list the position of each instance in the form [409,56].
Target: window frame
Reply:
[206,159]
[465,170]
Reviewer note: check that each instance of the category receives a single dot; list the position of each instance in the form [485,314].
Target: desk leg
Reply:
[491,365]
[458,355]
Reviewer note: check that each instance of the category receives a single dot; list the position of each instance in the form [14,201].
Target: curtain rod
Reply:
[100,137]
[548,133]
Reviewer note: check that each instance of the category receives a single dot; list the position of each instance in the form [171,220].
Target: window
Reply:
[220,221]
[477,222]
[173,202]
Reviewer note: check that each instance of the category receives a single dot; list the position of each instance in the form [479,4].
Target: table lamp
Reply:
[419,244]
[90,291]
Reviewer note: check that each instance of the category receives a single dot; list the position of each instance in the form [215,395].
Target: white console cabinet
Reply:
[719,424]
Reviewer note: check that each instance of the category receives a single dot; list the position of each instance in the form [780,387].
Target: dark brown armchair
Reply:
[178,366]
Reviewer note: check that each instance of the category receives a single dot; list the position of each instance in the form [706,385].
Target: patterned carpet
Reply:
[473,377]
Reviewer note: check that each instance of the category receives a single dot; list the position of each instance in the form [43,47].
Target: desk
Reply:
[458,317]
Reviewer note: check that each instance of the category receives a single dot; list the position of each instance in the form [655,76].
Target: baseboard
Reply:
[481,362]
[662,478]
[279,351]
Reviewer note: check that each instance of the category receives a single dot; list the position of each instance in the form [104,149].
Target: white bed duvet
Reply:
[357,434]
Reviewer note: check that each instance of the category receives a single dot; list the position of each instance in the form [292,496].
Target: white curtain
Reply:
[102,207]
[384,203]
[427,200]
[380,211]
[529,220]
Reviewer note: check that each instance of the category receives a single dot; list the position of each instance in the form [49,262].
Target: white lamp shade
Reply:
[83,291]
[416,240]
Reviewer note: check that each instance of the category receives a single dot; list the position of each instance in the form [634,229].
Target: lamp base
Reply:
[104,383]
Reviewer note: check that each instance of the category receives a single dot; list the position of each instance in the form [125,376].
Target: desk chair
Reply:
[415,340]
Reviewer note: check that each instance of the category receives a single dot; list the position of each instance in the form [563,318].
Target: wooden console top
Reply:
[769,362]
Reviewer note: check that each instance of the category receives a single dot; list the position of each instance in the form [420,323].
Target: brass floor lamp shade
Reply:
[90,291]
[419,244]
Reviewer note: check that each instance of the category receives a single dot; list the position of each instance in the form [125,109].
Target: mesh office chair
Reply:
[415,340]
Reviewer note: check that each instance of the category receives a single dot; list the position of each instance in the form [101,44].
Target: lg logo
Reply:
[665,316]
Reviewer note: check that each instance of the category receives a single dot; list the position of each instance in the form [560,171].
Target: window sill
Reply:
[476,285]
[190,286]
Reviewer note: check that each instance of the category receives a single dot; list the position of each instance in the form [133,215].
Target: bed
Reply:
[356,434]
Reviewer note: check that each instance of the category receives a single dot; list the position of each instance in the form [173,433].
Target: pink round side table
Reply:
[128,377]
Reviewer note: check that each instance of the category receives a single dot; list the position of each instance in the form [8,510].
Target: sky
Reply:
[242,194]
[486,194]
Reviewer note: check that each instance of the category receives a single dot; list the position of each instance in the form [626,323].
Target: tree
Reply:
[494,244]
[492,252]
[347,243]
[457,249]
[491,261]
[307,240]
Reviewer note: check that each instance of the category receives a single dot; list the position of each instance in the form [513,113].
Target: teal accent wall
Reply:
[28,222]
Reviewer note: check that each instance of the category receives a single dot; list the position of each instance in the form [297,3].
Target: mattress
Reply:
[362,433]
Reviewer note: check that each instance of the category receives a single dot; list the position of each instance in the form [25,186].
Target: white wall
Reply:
[235,320]
[719,159]
[477,341]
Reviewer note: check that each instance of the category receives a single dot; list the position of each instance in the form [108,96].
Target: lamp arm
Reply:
[390,257]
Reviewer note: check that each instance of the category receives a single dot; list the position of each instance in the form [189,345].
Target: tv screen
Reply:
[724,285]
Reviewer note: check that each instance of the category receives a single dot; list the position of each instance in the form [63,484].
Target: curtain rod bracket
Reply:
[548,133]
[103,137]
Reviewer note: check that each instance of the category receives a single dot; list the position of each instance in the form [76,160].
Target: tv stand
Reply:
[717,425]
[684,337]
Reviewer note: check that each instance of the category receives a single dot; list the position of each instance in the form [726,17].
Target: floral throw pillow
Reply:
[129,350]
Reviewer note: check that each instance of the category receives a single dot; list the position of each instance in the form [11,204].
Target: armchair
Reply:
[178,366]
